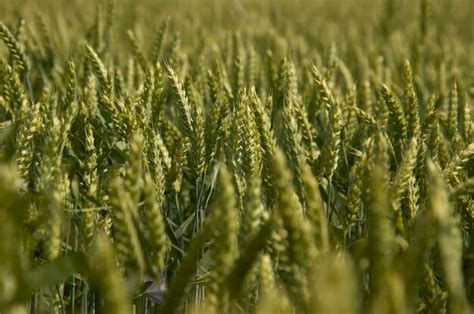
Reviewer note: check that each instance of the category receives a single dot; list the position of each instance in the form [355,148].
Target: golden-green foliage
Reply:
[236,156]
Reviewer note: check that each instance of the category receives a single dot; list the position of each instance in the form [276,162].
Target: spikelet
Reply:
[334,277]
[158,95]
[397,298]
[238,67]
[159,40]
[400,182]
[125,233]
[278,245]
[454,167]
[380,232]
[143,105]
[130,75]
[215,124]
[346,73]
[267,141]
[290,84]
[233,153]
[89,105]
[183,103]
[16,94]
[366,97]
[154,221]
[418,251]
[106,276]
[325,93]
[253,209]
[91,183]
[465,121]
[97,29]
[266,276]
[290,211]
[424,18]
[332,146]
[268,304]
[252,67]
[53,235]
[134,171]
[4,69]
[14,48]
[348,116]
[198,137]
[20,28]
[411,101]
[163,152]
[294,149]
[110,19]
[174,50]
[315,212]
[308,132]
[175,175]
[364,116]
[214,86]
[464,189]
[301,247]
[252,154]
[429,122]
[137,52]
[45,41]
[124,121]
[244,269]
[225,220]
[449,240]
[71,86]
[442,145]
[12,213]
[397,119]
[28,129]
[355,192]
[413,197]
[99,69]
[330,155]
[434,141]
[452,122]
[378,109]
[184,276]
[431,116]
[50,164]
[157,157]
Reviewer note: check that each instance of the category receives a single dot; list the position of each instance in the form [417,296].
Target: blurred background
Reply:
[315,21]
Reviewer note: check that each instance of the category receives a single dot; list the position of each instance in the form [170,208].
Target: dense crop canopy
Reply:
[236,156]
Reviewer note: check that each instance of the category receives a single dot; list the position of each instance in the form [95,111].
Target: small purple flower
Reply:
[155,290]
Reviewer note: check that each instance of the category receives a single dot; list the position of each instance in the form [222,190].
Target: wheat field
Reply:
[240,156]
